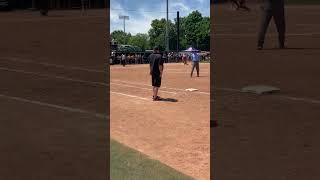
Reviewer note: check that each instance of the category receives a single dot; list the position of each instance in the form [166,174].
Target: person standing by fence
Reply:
[123,60]
[185,59]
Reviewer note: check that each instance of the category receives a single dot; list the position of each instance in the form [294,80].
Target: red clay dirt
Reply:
[175,133]
[53,95]
[273,136]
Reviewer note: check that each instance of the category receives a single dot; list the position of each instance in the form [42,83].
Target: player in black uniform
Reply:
[156,69]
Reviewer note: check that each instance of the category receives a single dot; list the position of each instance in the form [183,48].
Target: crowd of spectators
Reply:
[142,58]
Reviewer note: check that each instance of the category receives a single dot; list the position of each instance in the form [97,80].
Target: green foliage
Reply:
[157,33]
[140,40]
[120,37]
[194,31]
[183,40]
[203,34]
[191,25]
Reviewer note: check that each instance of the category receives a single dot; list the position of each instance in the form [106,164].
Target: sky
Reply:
[142,12]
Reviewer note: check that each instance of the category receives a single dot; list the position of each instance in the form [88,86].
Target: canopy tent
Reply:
[191,49]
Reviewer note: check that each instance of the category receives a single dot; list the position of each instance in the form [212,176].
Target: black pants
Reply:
[195,64]
[156,80]
[279,18]
[123,62]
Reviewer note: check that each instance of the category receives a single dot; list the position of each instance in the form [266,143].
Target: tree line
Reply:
[194,31]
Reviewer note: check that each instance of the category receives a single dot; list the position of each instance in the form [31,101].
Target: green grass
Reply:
[128,164]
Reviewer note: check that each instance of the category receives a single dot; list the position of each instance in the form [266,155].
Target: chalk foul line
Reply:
[129,95]
[65,108]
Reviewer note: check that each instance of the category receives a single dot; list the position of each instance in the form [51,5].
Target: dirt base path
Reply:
[176,133]
[52,110]
[272,136]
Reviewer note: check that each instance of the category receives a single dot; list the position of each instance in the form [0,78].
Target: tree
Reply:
[140,40]
[191,25]
[195,31]
[157,34]
[182,38]
[120,37]
[203,34]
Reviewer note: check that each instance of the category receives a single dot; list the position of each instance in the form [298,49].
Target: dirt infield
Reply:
[53,95]
[175,133]
[272,136]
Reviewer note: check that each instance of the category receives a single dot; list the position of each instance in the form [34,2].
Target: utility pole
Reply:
[167,28]
[124,21]
[178,31]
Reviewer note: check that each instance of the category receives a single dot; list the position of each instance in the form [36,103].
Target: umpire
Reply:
[272,9]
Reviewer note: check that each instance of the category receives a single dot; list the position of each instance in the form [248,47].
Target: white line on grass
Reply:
[65,108]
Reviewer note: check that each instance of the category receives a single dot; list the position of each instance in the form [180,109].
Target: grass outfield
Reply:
[128,164]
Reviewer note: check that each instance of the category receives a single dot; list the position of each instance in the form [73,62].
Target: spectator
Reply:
[123,60]
[184,59]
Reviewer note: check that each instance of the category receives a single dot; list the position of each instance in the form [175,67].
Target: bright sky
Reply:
[142,12]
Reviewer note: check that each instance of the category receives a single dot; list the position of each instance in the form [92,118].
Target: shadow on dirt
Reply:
[168,100]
